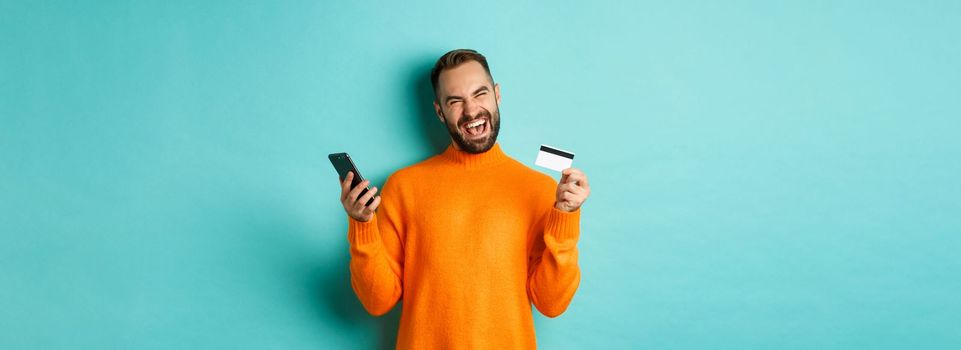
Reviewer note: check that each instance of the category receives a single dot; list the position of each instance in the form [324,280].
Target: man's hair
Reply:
[453,59]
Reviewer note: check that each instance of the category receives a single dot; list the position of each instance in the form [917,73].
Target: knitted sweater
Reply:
[468,242]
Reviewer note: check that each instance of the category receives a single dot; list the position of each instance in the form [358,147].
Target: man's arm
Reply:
[554,274]
[376,252]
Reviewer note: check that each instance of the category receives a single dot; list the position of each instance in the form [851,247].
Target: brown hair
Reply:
[453,59]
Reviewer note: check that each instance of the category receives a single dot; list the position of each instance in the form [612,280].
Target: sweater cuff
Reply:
[362,233]
[564,226]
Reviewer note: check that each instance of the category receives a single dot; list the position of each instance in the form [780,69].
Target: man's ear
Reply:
[440,114]
[497,93]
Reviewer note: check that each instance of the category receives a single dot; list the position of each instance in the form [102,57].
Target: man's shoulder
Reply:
[530,174]
[411,173]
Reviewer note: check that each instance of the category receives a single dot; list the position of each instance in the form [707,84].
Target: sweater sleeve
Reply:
[553,274]
[376,256]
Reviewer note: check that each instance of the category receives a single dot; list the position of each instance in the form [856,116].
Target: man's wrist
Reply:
[564,208]
[362,232]
[563,226]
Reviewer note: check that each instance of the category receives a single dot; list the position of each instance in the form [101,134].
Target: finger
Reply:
[572,200]
[580,178]
[357,189]
[366,197]
[572,182]
[346,182]
[345,185]
[571,172]
[566,174]
[373,206]
[575,179]
[576,189]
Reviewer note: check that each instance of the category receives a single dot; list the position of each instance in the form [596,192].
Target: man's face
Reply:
[467,103]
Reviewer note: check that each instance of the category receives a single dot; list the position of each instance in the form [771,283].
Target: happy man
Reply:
[469,238]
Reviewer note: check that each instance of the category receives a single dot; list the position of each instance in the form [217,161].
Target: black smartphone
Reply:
[343,164]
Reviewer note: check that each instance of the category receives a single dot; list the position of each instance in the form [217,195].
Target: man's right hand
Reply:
[355,206]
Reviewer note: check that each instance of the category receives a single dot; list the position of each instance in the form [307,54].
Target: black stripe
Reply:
[557,152]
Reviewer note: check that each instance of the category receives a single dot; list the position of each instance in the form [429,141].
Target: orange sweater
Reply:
[468,242]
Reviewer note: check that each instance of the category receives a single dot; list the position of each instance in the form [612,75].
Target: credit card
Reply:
[554,158]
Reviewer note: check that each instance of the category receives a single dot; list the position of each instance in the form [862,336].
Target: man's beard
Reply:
[477,146]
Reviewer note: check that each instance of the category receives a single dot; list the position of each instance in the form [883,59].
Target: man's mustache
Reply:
[481,114]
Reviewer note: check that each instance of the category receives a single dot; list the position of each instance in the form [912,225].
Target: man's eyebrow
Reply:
[482,88]
[448,98]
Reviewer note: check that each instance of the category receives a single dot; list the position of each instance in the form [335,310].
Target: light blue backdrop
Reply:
[766,175]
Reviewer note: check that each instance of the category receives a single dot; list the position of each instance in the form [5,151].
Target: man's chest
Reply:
[486,225]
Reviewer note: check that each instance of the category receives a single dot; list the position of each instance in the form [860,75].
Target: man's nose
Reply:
[471,108]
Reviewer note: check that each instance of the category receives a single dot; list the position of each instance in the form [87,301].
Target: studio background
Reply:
[765,175]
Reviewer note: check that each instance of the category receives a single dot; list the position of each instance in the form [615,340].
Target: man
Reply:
[468,238]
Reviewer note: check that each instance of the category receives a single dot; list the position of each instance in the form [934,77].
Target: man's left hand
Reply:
[572,190]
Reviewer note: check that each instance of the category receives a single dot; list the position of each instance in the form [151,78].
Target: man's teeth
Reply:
[475,124]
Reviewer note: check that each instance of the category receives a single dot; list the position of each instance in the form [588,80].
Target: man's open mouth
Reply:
[476,128]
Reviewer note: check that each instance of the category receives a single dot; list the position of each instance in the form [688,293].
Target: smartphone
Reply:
[343,164]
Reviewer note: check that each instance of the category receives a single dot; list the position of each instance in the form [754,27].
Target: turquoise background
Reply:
[766,175]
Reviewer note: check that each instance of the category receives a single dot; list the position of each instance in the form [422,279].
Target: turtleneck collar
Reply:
[473,161]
